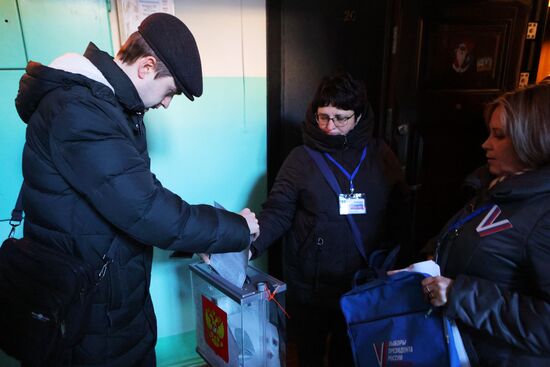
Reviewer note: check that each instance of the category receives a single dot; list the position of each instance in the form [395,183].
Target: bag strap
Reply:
[17,218]
[331,180]
[380,261]
[16,213]
[390,259]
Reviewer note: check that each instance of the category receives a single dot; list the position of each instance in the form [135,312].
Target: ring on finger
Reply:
[428,292]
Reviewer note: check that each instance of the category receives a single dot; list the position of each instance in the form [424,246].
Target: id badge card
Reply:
[352,204]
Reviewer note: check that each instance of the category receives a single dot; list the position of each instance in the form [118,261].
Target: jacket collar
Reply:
[528,184]
[125,91]
[78,64]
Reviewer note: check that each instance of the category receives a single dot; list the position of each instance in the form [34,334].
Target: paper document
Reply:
[231,265]
[427,267]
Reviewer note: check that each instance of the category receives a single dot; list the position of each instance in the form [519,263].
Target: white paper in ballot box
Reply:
[231,265]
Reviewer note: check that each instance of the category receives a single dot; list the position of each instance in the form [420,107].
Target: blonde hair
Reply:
[526,118]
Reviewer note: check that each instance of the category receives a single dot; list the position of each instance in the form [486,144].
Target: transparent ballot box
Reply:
[239,326]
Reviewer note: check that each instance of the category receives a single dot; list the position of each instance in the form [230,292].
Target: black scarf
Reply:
[358,137]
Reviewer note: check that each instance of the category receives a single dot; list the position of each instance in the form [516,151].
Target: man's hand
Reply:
[205,257]
[252,222]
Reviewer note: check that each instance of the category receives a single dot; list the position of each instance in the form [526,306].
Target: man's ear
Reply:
[146,66]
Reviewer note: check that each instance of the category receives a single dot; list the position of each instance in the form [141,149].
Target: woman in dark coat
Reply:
[320,252]
[495,253]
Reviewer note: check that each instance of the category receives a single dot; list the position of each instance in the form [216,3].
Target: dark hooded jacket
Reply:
[500,297]
[320,254]
[88,186]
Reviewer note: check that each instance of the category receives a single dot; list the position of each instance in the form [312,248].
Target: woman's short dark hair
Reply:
[340,91]
[526,118]
[136,47]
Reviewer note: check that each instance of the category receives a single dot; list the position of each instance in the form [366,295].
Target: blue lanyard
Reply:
[457,224]
[460,222]
[352,176]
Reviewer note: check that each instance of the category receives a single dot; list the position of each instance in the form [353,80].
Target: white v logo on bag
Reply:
[381,351]
[488,224]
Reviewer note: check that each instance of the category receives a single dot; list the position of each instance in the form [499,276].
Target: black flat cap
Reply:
[175,46]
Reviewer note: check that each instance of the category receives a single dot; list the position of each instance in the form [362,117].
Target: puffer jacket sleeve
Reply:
[278,211]
[95,155]
[516,318]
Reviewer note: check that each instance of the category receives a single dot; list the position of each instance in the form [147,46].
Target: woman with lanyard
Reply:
[336,198]
[495,253]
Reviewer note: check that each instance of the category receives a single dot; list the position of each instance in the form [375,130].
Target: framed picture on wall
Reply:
[132,12]
[463,56]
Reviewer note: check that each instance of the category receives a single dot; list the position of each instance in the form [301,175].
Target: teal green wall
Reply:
[178,350]
[12,137]
[54,27]
[12,52]
[213,148]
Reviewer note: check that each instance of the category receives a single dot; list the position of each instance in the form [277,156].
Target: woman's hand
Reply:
[252,223]
[437,289]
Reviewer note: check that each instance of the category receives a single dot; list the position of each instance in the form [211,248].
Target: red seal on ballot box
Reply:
[214,320]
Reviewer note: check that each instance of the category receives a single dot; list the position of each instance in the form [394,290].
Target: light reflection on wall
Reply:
[544,60]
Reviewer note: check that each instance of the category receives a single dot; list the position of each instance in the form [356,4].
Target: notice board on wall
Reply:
[132,12]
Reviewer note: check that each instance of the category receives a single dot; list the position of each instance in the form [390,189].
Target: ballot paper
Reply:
[427,267]
[231,265]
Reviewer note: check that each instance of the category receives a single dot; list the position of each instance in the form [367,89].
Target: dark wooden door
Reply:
[306,40]
[448,58]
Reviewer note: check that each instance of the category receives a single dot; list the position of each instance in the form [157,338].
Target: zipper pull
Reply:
[137,125]
[320,243]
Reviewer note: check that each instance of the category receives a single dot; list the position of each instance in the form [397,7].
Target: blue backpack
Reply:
[390,323]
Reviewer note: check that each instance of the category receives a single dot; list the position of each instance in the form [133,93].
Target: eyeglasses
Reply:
[338,120]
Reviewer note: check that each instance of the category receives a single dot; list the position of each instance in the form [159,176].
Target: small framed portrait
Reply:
[463,56]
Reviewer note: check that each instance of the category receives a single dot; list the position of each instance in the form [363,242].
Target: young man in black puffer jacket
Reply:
[88,184]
